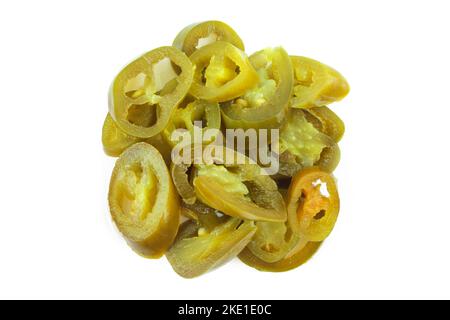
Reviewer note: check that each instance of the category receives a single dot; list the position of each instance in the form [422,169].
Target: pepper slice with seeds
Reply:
[316,84]
[265,104]
[145,93]
[197,251]
[223,72]
[198,35]
[115,140]
[312,204]
[143,200]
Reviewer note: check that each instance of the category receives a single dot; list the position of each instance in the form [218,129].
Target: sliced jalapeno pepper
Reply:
[115,140]
[195,252]
[326,121]
[180,178]
[234,203]
[230,183]
[183,175]
[302,255]
[264,105]
[275,247]
[316,84]
[302,145]
[273,241]
[185,117]
[205,216]
[313,204]
[329,158]
[143,201]
[145,93]
[198,35]
[223,72]
[239,191]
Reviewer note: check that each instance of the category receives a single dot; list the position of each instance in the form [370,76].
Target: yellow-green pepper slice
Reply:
[326,121]
[198,251]
[239,190]
[230,183]
[275,247]
[145,93]
[181,179]
[329,158]
[115,140]
[302,145]
[264,105]
[290,262]
[273,241]
[316,84]
[212,193]
[198,35]
[143,201]
[205,216]
[185,117]
[223,72]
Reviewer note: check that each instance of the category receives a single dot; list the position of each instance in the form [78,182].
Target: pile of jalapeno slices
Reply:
[201,215]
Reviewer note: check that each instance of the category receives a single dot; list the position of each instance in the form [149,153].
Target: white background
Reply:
[57,59]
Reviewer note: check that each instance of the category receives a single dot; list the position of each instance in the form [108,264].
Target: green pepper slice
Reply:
[223,72]
[145,93]
[302,145]
[143,201]
[239,190]
[181,178]
[208,113]
[288,263]
[326,121]
[259,207]
[198,35]
[316,84]
[230,183]
[264,105]
[273,241]
[275,247]
[115,141]
[205,216]
[197,251]
[329,158]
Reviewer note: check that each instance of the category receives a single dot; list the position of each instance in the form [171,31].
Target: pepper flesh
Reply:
[195,253]
[327,122]
[205,216]
[200,34]
[316,84]
[186,117]
[302,145]
[231,183]
[223,72]
[143,201]
[273,241]
[329,158]
[293,261]
[115,141]
[265,104]
[240,193]
[143,95]
[313,204]
[183,174]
